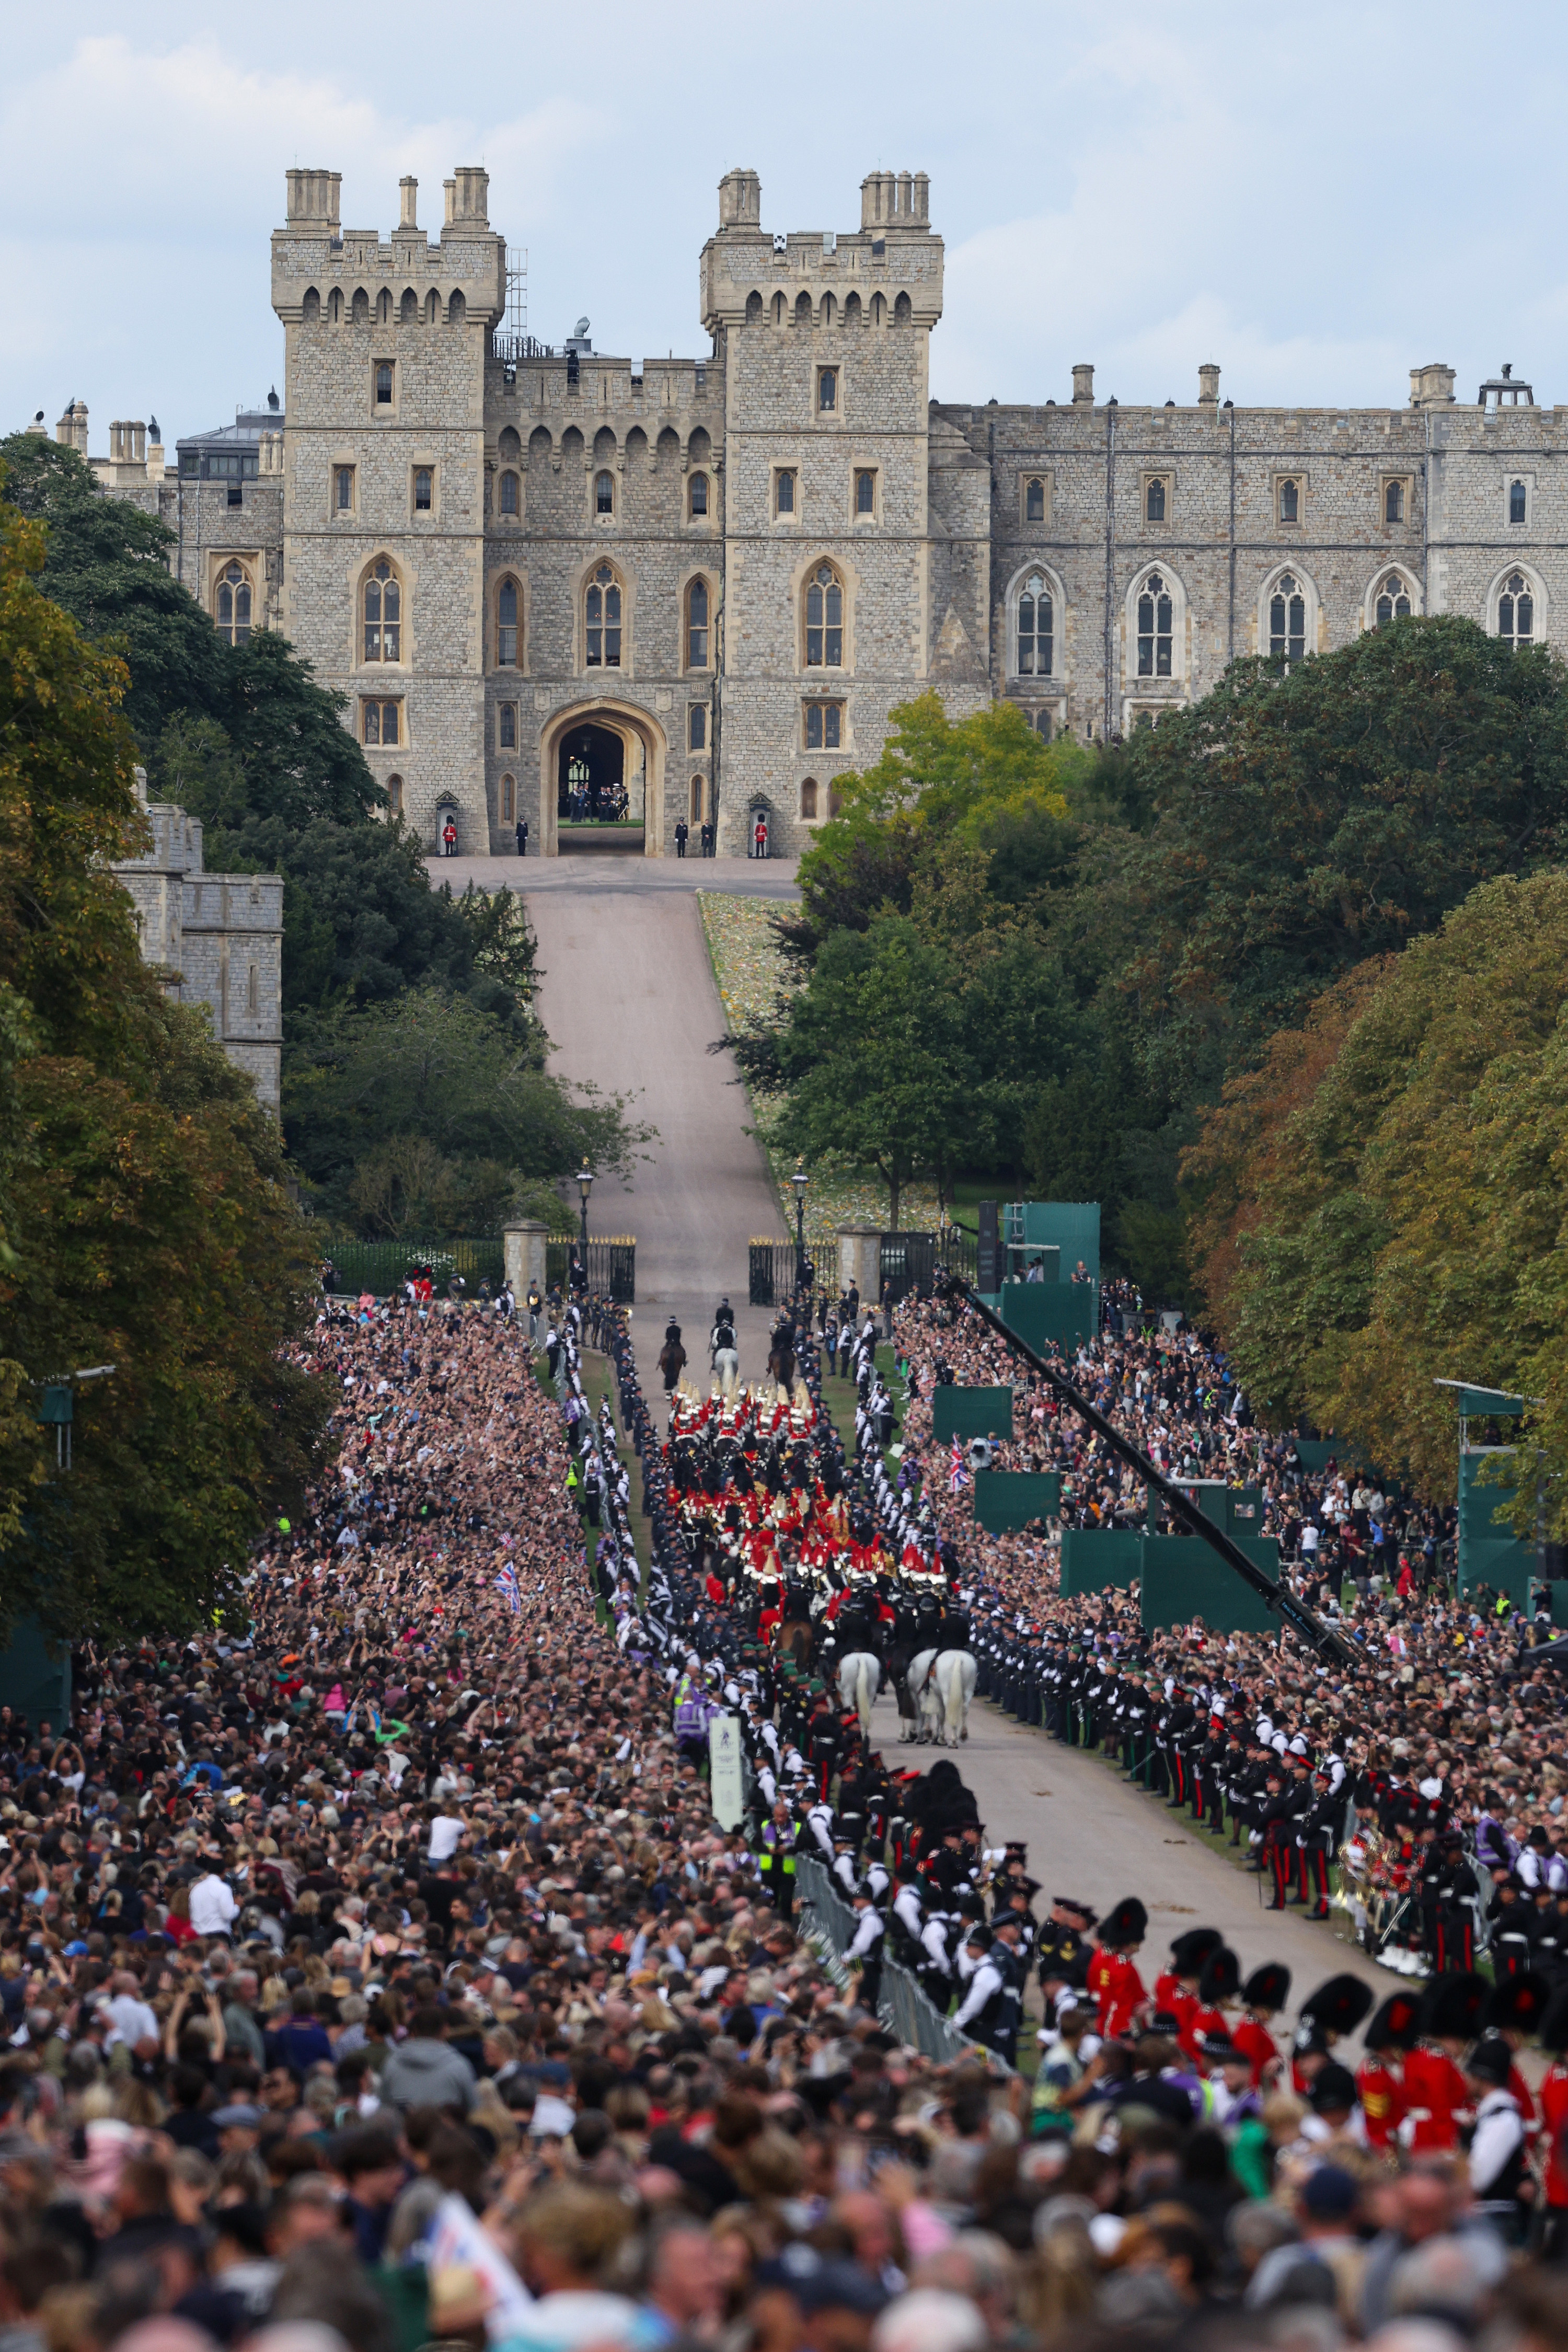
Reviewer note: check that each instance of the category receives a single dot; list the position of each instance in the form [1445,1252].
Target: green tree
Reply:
[1412,1210]
[1303,823]
[434,1069]
[146,1219]
[874,1063]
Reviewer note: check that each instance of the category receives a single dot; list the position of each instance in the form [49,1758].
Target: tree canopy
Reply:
[146,1218]
[1408,1173]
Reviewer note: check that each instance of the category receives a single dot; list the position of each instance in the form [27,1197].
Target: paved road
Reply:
[629,1001]
[1092,1836]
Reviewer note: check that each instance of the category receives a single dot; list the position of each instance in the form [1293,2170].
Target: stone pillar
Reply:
[1083,384]
[524,1246]
[1208,384]
[860,1261]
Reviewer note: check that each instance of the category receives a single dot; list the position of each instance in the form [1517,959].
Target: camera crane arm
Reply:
[1303,1622]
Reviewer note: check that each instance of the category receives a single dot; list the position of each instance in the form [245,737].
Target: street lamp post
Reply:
[800,1179]
[585,1186]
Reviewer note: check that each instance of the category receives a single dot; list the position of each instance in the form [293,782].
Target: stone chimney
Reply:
[1431,386]
[315,196]
[740,200]
[1083,384]
[1208,385]
[71,430]
[471,205]
[408,205]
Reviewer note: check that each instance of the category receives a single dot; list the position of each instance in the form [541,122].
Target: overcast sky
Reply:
[1315,196]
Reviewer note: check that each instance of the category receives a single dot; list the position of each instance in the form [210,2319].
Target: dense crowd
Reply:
[376,1971]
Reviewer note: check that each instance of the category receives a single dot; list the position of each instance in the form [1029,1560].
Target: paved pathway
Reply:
[629,1001]
[1091,1835]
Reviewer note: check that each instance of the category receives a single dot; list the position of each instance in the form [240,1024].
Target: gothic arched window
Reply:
[382,613]
[1154,609]
[1516,612]
[604,494]
[1154,501]
[509,494]
[825,619]
[1393,600]
[602,615]
[1036,627]
[1288,619]
[232,606]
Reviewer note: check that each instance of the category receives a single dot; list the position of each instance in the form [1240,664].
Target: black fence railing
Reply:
[382,1267]
[908,1261]
[773,1273]
[611,1267]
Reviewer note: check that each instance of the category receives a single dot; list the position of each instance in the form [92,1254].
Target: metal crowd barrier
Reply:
[903,2008]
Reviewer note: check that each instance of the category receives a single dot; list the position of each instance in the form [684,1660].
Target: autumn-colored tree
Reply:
[146,1220]
[1412,1207]
[1243,1135]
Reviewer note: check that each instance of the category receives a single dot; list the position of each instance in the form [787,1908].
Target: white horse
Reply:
[860,1676]
[941,1684]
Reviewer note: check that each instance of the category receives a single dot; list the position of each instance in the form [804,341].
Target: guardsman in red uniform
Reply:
[1114,1982]
[1176,1988]
[1379,2085]
[1435,2092]
[1263,1996]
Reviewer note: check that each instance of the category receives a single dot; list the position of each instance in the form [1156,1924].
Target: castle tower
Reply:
[829,614]
[383,486]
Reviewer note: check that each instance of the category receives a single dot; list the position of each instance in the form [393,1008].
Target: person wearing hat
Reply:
[1554,2099]
[1263,1996]
[1435,2094]
[993,2007]
[1499,2162]
[1380,2085]
[1176,1987]
[1113,1980]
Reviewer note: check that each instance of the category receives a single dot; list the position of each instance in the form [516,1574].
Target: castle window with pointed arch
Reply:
[1392,602]
[602,619]
[1516,610]
[509,498]
[1288,619]
[1156,609]
[383,615]
[1035,631]
[825,619]
[232,603]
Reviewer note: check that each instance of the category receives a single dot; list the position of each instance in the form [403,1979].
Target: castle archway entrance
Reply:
[602,764]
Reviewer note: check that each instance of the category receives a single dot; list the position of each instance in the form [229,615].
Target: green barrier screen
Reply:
[1182,1579]
[1011,1499]
[36,1678]
[1094,1557]
[970,1413]
[1489,1553]
[1041,1313]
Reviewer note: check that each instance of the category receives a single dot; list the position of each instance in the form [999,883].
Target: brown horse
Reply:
[795,1642]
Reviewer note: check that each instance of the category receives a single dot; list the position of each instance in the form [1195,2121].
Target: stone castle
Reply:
[702,584]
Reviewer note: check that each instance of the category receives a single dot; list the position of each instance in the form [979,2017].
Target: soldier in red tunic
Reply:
[1379,2082]
[1435,2094]
[1514,2011]
[1555,2126]
[1176,1988]
[1114,1982]
[1263,1996]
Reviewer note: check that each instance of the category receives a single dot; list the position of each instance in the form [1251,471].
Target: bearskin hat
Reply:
[1267,1986]
[1396,2023]
[1221,1977]
[1189,1951]
[1451,2005]
[1517,2005]
[1339,2004]
[1125,1923]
